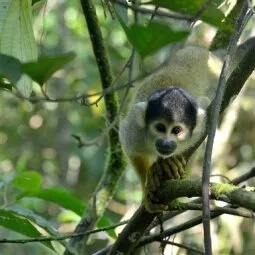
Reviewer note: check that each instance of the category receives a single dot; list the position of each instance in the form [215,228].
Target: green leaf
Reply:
[211,15]
[42,69]
[21,225]
[68,216]
[16,36]
[36,1]
[37,219]
[148,40]
[38,5]
[10,68]
[58,196]
[105,222]
[28,181]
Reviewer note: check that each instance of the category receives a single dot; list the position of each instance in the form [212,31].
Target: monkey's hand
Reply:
[162,169]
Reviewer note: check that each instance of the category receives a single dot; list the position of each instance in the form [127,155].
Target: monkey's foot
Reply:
[153,180]
[173,167]
[152,207]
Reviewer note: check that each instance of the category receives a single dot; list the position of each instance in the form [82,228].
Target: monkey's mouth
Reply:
[164,153]
[164,147]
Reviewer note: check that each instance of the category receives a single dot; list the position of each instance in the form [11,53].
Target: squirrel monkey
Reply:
[166,117]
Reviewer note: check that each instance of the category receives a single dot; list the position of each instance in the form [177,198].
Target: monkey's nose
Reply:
[165,147]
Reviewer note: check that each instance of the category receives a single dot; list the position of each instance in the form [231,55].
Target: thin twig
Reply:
[212,128]
[184,246]
[62,237]
[225,210]
[177,229]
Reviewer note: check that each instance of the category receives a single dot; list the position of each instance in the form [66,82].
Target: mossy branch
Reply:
[229,193]
[116,161]
[171,190]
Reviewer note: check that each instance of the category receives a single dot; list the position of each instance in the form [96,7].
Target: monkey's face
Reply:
[170,118]
[167,139]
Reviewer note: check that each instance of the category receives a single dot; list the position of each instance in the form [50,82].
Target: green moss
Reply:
[178,205]
[222,188]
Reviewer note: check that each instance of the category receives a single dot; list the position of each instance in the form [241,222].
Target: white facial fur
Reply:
[174,132]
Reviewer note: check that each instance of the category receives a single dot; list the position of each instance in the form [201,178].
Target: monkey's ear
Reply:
[139,112]
[203,102]
[201,113]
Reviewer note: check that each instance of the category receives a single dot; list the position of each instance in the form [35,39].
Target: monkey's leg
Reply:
[150,181]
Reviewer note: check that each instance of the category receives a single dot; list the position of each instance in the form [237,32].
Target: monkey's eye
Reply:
[177,130]
[160,127]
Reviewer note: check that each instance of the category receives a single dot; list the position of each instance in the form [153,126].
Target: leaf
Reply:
[68,216]
[16,36]
[42,69]
[37,6]
[28,181]
[148,40]
[58,196]
[36,1]
[21,225]
[211,15]
[37,219]
[10,68]
[105,222]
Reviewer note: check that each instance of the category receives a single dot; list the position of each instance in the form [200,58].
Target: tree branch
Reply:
[213,121]
[61,237]
[116,162]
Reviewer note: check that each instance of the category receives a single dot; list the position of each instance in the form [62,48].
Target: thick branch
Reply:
[116,163]
[173,189]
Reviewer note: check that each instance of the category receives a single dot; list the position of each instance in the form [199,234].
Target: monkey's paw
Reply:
[172,167]
[163,169]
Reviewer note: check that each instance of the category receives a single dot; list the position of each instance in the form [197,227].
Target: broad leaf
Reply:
[37,219]
[21,225]
[28,181]
[16,36]
[42,69]
[148,40]
[10,68]
[58,196]
[209,10]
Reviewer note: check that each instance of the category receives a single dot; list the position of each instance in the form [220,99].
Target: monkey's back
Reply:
[194,69]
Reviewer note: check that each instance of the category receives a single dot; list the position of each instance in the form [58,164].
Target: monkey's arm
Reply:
[141,165]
